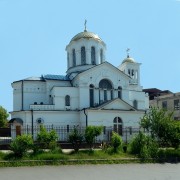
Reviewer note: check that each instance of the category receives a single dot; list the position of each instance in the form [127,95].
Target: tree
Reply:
[116,141]
[91,133]
[21,144]
[162,127]
[47,139]
[144,146]
[75,138]
[3,117]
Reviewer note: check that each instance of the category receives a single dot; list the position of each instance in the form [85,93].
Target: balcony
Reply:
[42,107]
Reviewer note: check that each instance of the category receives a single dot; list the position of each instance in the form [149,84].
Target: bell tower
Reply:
[131,68]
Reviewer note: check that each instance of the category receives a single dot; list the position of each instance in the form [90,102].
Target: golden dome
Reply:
[129,60]
[87,35]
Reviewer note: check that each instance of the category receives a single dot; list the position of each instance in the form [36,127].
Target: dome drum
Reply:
[84,51]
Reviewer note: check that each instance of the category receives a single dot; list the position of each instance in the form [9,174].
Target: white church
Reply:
[93,91]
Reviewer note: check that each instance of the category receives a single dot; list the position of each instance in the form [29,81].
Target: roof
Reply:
[101,106]
[55,77]
[87,35]
[106,62]
[33,78]
[128,59]
[46,77]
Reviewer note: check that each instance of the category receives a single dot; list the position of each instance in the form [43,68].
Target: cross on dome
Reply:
[85,25]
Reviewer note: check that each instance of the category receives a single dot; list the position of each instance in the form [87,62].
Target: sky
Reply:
[34,35]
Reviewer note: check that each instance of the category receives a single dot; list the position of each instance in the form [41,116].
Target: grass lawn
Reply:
[57,157]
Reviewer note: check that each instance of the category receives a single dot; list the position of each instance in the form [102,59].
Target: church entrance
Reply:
[18,130]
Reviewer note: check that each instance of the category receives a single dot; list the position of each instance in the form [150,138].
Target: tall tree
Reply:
[3,117]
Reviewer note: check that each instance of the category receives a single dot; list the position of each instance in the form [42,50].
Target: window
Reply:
[132,73]
[135,104]
[91,95]
[105,84]
[176,104]
[101,55]
[105,95]
[118,125]
[93,55]
[119,92]
[67,100]
[129,71]
[67,128]
[111,94]
[164,104]
[74,57]
[104,129]
[105,92]
[83,55]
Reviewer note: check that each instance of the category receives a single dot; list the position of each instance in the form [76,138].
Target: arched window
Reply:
[118,124]
[119,92]
[67,100]
[101,55]
[91,95]
[74,57]
[83,55]
[135,104]
[105,84]
[93,55]
[105,91]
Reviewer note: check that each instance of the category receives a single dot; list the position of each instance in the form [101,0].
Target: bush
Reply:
[91,133]
[47,140]
[116,142]
[143,146]
[76,138]
[169,155]
[21,145]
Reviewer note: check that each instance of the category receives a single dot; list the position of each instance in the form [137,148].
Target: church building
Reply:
[93,91]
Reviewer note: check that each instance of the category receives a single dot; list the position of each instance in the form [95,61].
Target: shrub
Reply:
[116,142]
[91,133]
[47,139]
[76,138]
[144,146]
[21,145]
[169,155]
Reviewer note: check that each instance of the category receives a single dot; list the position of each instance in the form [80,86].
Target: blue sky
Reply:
[34,34]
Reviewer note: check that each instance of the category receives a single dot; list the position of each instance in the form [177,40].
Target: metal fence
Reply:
[64,131]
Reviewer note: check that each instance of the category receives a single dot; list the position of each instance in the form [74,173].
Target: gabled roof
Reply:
[97,66]
[115,104]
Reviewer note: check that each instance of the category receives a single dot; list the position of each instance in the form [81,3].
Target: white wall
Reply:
[59,94]
[87,43]
[106,117]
